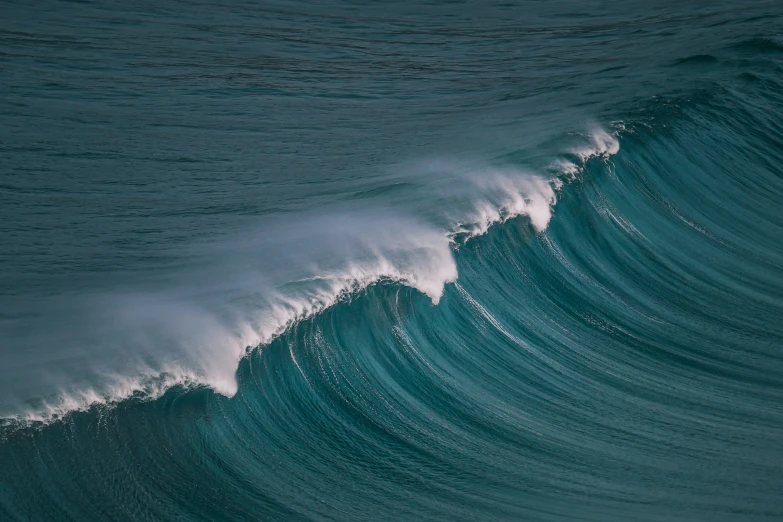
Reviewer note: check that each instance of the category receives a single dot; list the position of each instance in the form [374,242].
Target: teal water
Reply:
[447,261]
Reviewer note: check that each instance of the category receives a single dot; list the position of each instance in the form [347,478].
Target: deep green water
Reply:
[391,261]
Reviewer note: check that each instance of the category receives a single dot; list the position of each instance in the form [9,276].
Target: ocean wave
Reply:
[375,248]
[395,263]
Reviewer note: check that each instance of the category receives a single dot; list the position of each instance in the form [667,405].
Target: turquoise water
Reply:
[448,261]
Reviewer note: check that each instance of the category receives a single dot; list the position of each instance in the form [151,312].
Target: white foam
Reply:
[503,194]
[603,144]
[373,249]
[426,265]
[115,389]
[204,346]
[506,195]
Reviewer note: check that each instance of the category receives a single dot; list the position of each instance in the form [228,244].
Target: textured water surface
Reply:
[391,261]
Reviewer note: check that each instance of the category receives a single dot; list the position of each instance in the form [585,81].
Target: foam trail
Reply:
[211,338]
[509,193]
[425,268]
[210,342]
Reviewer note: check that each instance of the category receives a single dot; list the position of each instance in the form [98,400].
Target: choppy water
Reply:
[447,261]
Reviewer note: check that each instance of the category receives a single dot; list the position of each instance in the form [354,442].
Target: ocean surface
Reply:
[443,260]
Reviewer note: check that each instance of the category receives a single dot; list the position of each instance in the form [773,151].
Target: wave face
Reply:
[443,262]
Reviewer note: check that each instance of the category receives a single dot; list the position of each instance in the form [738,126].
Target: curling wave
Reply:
[375,248]
[550,324]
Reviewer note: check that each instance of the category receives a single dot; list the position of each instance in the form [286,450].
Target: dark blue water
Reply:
[391,261]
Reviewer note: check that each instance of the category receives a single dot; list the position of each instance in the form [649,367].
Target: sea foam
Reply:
[333,257]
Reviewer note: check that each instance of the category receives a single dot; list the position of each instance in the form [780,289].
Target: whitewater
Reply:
[399,261]
[386,248]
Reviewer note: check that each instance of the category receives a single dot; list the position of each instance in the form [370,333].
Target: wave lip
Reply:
[211,341]
[504,194]
[372,247]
